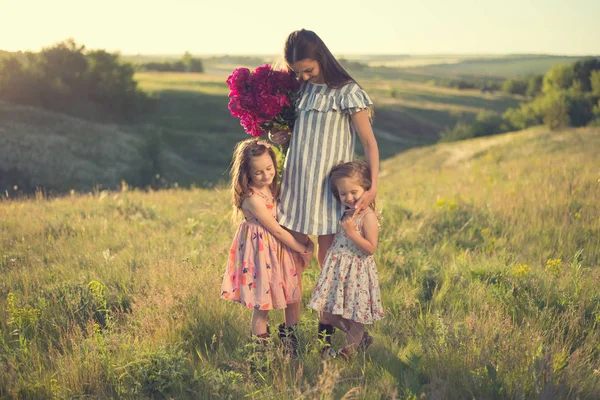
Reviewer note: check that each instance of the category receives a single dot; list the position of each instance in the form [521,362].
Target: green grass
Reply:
[488,260]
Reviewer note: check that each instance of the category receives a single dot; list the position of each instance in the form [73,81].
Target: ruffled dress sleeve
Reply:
[349,99]
[355,100]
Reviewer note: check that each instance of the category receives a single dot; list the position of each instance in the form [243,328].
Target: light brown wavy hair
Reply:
[240,170]
[352,169]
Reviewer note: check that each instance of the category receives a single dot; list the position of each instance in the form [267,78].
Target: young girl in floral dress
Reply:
[347,291]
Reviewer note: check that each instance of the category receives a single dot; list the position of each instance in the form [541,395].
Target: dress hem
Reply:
[266,309]
[368,322]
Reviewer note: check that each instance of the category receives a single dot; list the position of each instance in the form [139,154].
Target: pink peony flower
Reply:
[238,80]
[262,97]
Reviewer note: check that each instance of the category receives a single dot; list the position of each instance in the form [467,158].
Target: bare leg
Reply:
[336,321]
[354,335]
[324,243]
[292,311]
[259,322]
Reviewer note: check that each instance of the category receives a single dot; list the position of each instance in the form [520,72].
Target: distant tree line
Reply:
[567,95]
[238,60]
[353,65]
[187,63]
[483,84]
[67,78]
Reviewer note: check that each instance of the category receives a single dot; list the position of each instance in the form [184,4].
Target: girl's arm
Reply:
[365,133]
[368,243]
[256,206]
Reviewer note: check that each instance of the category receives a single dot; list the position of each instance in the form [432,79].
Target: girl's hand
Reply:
[348,224]
[308,253]
[279,136]
[363,203]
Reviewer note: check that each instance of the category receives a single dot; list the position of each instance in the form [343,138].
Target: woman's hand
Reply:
[279,136]
[363,203]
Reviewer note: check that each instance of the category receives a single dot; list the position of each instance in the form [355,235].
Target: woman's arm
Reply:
[365,133]
[256,207]
[368,243]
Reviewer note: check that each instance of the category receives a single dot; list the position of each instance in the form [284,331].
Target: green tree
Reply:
[595,82]
[534,85]
[66,78]
[515,86]
[524,116]
[582,71]
[556,110]
[63,68]
[560,77]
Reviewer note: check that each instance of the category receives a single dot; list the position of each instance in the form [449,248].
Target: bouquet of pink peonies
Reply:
[263,99]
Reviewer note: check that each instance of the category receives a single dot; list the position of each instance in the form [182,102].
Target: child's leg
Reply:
[336,321]
[259,322]
[354,334]
[292,311]
[324,243]
[325,326]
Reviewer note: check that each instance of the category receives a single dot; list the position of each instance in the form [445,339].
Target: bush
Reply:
[162,374]
[487,123]
[68,79]
[569,95]
[582,71]
[534,85]
[595,82]
[461,131]
[523,117]
[560,77]
[556,110]
[186,64]
[515,86]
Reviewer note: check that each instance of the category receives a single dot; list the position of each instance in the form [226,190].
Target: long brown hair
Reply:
[352,169]
[304,44]
[240,169]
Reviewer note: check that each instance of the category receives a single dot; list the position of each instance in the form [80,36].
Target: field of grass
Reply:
[193,113]
[489,264]
[188,140]
[502,66]
[190,137]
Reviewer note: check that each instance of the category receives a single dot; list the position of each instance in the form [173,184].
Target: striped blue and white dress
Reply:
[323,136]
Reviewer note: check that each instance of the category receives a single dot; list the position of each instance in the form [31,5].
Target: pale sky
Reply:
[347,27]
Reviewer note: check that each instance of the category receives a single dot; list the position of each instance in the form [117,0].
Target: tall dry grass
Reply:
[488,263]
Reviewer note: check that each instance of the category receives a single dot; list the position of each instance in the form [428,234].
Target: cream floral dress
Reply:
[348,284]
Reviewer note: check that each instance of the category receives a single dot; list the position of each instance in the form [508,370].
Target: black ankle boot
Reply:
[325,333]
[366,341]
[288,337]
[268,331]
[262,339]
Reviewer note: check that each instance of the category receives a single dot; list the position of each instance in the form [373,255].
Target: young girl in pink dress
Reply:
[261,270]
[347,291]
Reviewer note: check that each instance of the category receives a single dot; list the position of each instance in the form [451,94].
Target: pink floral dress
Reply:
[348,284]
[261,273]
